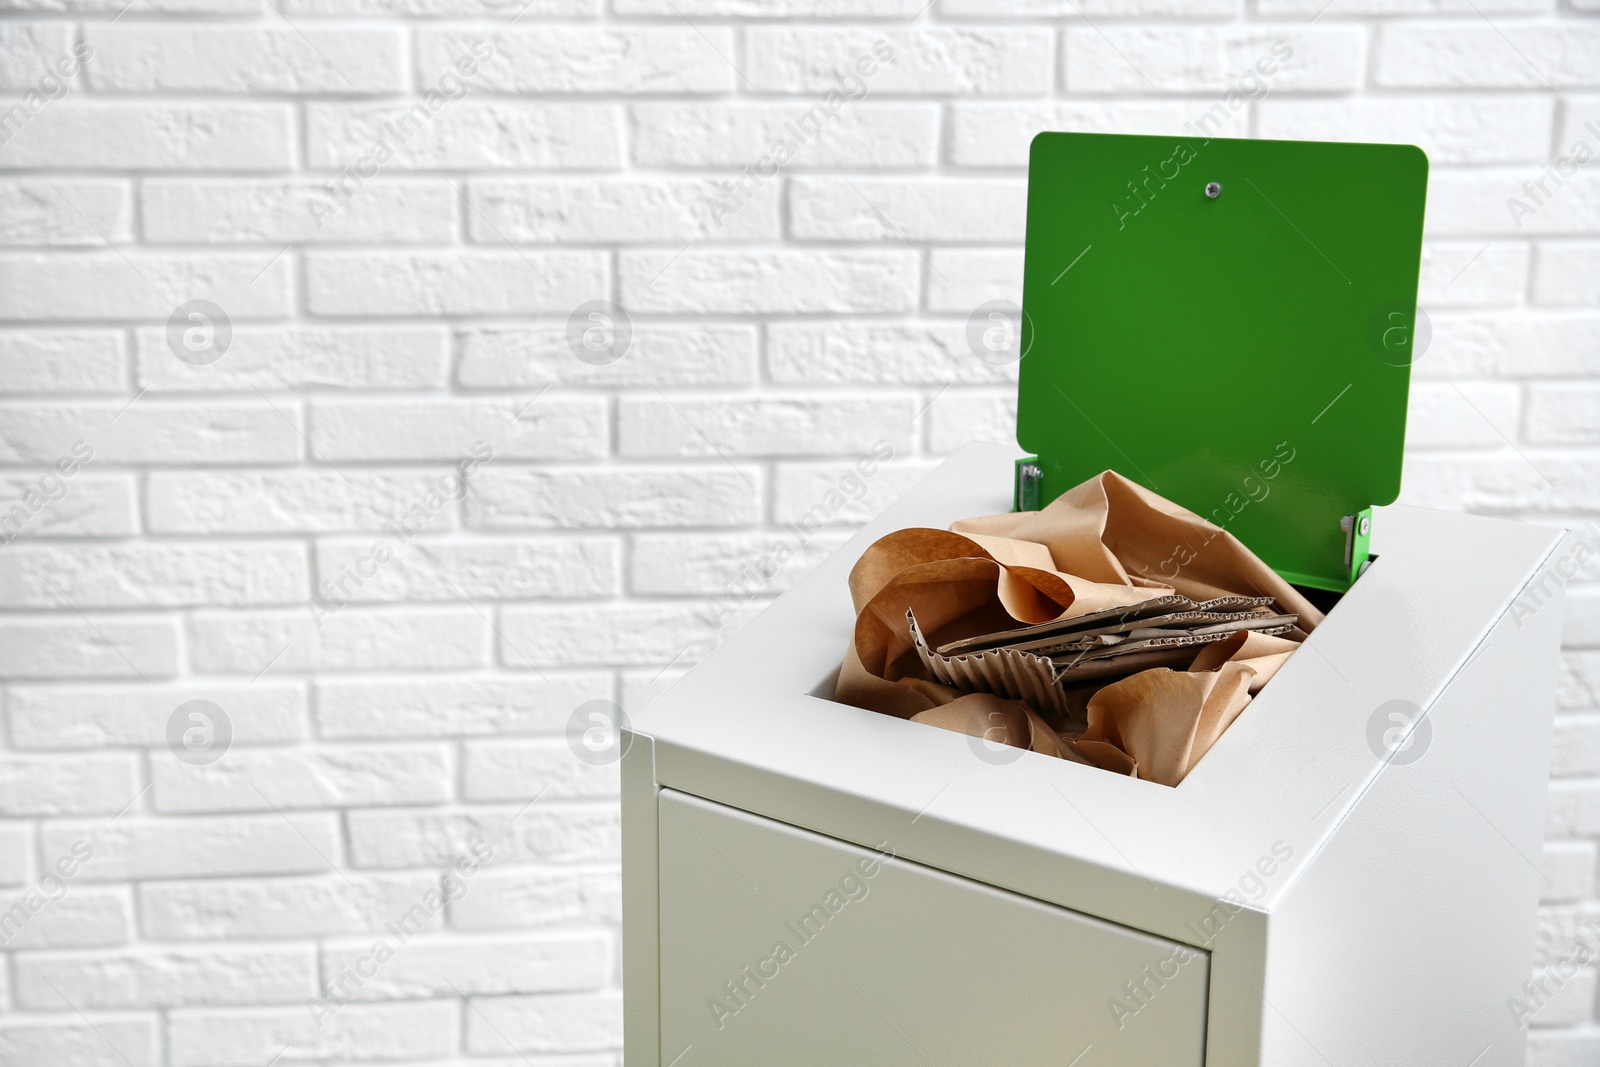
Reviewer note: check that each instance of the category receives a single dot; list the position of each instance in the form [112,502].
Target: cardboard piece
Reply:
[1129,630]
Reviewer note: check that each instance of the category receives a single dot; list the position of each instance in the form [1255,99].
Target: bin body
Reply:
[807,882]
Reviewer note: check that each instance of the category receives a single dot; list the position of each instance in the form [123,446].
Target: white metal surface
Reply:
[1253,818]
[1414,923]
[786,947]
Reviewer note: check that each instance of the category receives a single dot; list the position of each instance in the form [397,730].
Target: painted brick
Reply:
[111,286]
[85,505]
[164,978]
[808,496]
[522,770]
[33,49]
[67,785]
[649,632]
[712,564]
[1564,414]
[808,135]
[164,7]
[1576,748]
[1537,480]
[571,1023]
[884,209]
[474,134]
[1573,809]
[449,707]
[64,211]
[788,281]
[1561,929]
[152,575]
[1583,618]
[804,425]
[62,361]
[876,353]
[450,430]
[424,837]
[149,432]
[1533,344]
[153,135]
[1571,1001]
[619,210]
[299,357]
[1472,274]
[16,852]
[255,779]
[244,58]
[293,500]
[442,8]
[1578,683]
[1510,202]
[480,569]
[82,917]
[1453,129]
[1580,122]
[135,847]
[945,59]
[957,416]
[475,282]
[1462,414]
[475,967]
[250,1037]
[1032,9]
[519,897]
[252,908]
[998,134]
[106,1042]
[1481,54]
[1566,273]
[255,211]
[73,646]
[1554,1048]
[774,9]
[1249,62]
[960,280]
[612,497]
[291,639]
[657,354]
[121,715]
[581,59]
[1404,7]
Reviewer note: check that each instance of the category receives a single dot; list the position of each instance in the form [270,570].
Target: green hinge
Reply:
[1358,541]
[1025,496]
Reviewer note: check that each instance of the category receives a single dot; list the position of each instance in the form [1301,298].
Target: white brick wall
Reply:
[388,736]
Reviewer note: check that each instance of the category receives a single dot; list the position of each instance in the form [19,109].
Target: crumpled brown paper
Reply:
[1108,543]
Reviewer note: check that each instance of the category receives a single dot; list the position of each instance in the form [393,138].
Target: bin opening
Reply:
[1111,627]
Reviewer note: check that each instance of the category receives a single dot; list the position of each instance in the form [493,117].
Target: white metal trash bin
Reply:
[810,883]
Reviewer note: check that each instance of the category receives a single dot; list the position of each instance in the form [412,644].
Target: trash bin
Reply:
[1349,876]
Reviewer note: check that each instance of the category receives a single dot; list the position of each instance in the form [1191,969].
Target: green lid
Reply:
[1230,323]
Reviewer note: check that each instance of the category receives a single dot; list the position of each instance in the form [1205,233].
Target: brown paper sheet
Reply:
[1139,700]
[1012,722]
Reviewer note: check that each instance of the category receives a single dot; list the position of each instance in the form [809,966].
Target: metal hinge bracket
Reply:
[1030,479]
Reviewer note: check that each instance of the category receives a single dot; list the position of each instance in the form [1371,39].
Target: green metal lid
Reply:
[1228,322]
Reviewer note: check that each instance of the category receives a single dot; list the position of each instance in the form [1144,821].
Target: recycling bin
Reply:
[1350,875]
